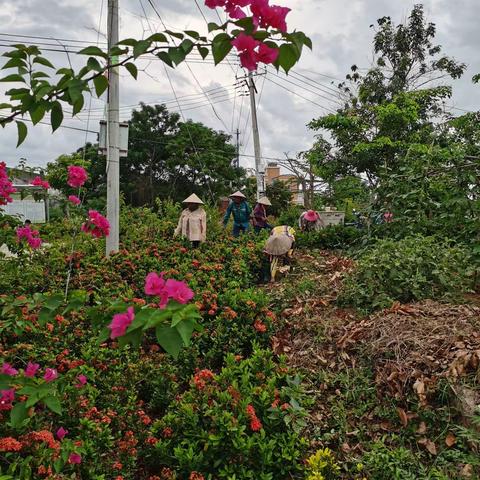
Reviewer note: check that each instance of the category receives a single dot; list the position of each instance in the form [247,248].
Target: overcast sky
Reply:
[341,37]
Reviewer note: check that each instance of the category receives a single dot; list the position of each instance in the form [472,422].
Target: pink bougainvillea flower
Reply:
[6,186]
[120,323]
[163,299]
[245,44]
[61,433]
[31,236]
[24,232]
[35,242]
[6,399]
[31,369]
[38,182]
[96,225]
[50,374]
[267,54]
[7,369]
[235,12]
[73,199]
[74,458]
[275,17]
[82,380]
[215,3]
[154,284]
[178,291]
[77,176]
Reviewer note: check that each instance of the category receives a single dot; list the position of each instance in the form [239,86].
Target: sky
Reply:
[341,35]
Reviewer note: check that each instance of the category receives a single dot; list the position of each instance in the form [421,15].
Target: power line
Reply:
[46,123]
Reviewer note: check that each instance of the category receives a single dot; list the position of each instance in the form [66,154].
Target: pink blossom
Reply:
[61,433]
[82,381]
[77,176]
[6,187]
[50,375]
[267,54]
[31,236]
[74,200]
[24,232]
[96,225]
[235,12]
[269,15]
[245,44]
[6,399]
[31,369]
[178,291]
[154,284]
[215,3]
[163,299]
[7,369]
[35,242]
[74,458]
[120,323]
[38,182]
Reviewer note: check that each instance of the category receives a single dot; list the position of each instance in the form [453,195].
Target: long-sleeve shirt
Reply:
[241,213]
[193,225]
[260,216]
[312,226]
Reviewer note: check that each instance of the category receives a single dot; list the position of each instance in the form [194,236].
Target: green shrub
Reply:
[411,269]
[333,237]
[290,216]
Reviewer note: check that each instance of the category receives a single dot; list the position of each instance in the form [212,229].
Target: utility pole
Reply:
[259,168]
[113,135]
[237,157]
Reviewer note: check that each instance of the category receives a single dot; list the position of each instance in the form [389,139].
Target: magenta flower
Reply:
[245,44]
[61,433]
[77,176]
[269,15]
[120,323]
[6,399]
[50,375]
[24,232]
[31,369]
[35,242]
[154,284]
[178,291]
[215,3]
[267,54]
[96,225]
[6,186]
[38,182]
[82,381]
[31,236]
[7,369]
[74,458]
[74,200]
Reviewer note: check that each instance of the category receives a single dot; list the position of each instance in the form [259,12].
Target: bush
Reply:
[290,216]
[411,269]
[333,237]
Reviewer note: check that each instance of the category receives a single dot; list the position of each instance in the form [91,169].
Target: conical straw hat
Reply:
[238,193]
[278,245]
[193,199]
[265,201]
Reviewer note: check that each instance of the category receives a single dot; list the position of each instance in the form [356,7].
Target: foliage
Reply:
[331,237]
[407,270]
[290,216]
[280,196]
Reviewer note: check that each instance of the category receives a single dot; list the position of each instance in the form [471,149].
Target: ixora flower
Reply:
[74,200]
[6,187]
[61,433]
[120,323]
[10,444]
[6,399]
[7,369]
[74,458]
[50,375]
[38,182]
[31,369]
[77,176]
[96,225]
[82,380]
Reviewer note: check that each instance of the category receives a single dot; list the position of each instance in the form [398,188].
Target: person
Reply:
[28,223]
[310,221]
[193,221]
[279,248]
[241,211]
[259,217]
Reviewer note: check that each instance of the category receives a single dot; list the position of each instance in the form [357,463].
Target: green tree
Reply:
[280,196]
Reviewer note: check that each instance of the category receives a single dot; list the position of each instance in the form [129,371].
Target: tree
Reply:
[280,196]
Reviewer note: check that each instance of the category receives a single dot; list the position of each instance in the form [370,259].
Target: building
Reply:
[273,174]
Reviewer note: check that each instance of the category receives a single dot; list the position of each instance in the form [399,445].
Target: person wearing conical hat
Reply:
[279,248]
[259,217]
[193,221]
[310,221]
[241,212]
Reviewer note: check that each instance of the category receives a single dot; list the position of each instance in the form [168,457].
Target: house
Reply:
[273,174]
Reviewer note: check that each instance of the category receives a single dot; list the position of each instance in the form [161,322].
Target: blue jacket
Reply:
[241,213]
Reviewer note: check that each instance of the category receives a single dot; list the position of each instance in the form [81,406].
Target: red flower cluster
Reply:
[42,436]
[31,236]
[9,444]
[96,225]
[200,378]
[6,187]
[128,444]
[259,326]
[38,182]
[255,423]
[196,476]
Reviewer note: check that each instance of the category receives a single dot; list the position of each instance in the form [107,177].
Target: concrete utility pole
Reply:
[259,167]
[237,157]
[113,136]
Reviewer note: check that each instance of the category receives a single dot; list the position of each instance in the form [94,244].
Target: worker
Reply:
[279,248]
[310,221]
[193,221]
[241,211]
[259,217]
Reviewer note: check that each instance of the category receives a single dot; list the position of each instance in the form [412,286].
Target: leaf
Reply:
[176,54]
[94,64]
[213,26]
[56,116]
[170,340]
[101,84]
[43,61]
[78,105]
[54,301]
[5,106]
[36,75]
[75,87]
[93,51]
[53,403]
[175,34]
[103,336]
[131,42]
[193,34]
[132,69]
[165,57]
[158,37]
[422,428]
[429,445]
[44,316]
[288,56]
[140,48]
[450,440]
[14,77]
[221,46]
[403,416]
[185,329]
[187,46]
[203,51]
[18,414]
[13,63]
[22,132]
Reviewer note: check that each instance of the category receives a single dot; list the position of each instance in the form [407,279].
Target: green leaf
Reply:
[93,51]
[193,34]
[246,23]
[187,46]
[101,84]
[203,51]
[132,69]
[176,54]
[36,75]
[56,115]
[221,47]
[185,329]
[53,403]
[13,63]
[288,56]
[44,316]
[170,340]
[32,399]
[37,113]
[14,77]
[22,132]
[131,42]
[43,61]
[94,64]
[18,414]
[175,34]
[165,57]
[75,88]
[103,336]
[140,48]
[116,52]
[78,105]
[158,37]
[4,106]
[213,26]
[54,301]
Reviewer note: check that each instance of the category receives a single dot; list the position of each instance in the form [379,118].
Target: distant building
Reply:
[272,175]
